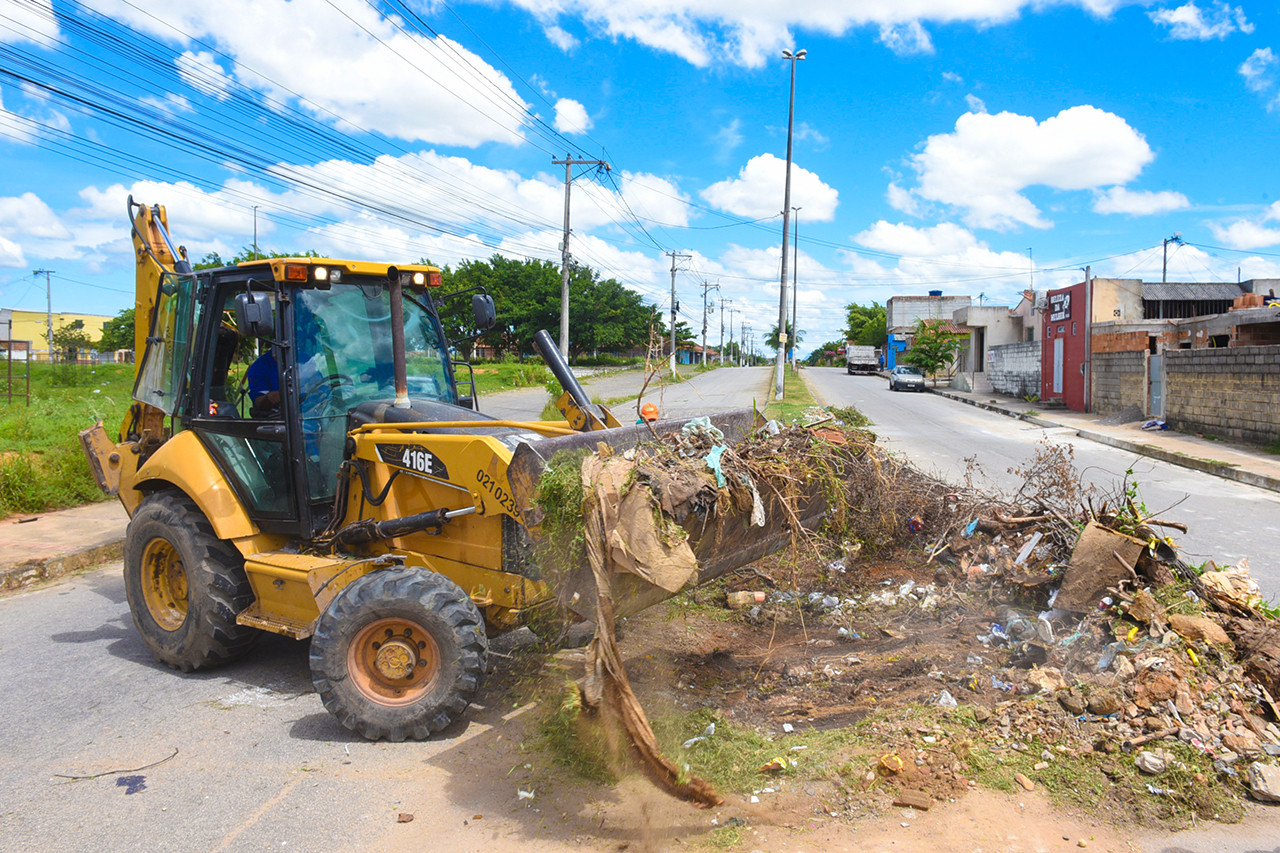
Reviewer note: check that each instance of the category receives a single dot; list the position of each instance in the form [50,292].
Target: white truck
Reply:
[861,359]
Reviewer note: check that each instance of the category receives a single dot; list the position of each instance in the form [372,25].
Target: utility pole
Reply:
[706,286]
[48,295]
[675,305]
[793,58]
[568,162]
[795,294]
[1164,270]
[733,312]
[255,232]
[722,302]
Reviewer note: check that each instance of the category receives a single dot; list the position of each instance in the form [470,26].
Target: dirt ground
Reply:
[844,702]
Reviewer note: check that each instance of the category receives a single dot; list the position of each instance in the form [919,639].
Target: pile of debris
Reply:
[1075,626]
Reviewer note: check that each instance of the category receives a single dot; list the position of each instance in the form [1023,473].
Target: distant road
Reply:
[1226,520]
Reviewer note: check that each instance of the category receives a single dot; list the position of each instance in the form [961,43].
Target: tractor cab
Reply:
[278,355]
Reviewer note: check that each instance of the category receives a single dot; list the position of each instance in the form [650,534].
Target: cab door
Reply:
[251,446]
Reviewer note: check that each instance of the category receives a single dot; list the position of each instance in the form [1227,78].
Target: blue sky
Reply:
[972,146]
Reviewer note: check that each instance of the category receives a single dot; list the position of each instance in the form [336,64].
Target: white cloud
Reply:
[986,164]
[1258,70]
[1139,202]
[1252,233]
[15,127]
[170,103]
[751,34]
[560,37]
[975,104]
[906,39]
[943,239]
[805,132]
[27,215]
[1190,22]
[571,116]
[11,254]
[758,189]
[200,70]
[1260,75]
[952,77]
[345,63]
[28,20]
[728,138]
[902,200]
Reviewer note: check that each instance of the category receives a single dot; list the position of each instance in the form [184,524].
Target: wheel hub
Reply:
[396,659]
[393,661]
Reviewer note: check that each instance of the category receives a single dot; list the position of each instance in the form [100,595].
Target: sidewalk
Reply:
[1222,459]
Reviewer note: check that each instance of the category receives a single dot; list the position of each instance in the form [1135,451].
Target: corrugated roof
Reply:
[1176,291]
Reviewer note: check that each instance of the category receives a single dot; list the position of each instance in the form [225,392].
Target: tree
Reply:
[868,325]
[117,333]
[213,260]
[826,354]
[793,337]
[934,345]
[69,341]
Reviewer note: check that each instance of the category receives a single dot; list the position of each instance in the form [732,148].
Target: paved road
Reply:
[1227,520]
[712,391]
[260,764]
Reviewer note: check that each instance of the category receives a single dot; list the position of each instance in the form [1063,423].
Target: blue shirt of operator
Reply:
[263,378]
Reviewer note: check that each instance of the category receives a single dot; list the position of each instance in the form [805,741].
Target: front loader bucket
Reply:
[722,536]
[530,459]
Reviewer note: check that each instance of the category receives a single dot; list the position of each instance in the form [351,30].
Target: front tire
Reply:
[399,654]
[185,586]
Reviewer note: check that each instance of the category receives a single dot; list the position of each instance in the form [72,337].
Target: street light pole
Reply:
[795,293]
[786,230]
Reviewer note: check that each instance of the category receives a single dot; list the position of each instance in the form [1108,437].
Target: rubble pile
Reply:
[1078,634]
[1051,627]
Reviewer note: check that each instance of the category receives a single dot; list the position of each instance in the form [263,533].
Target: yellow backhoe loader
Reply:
[354,497]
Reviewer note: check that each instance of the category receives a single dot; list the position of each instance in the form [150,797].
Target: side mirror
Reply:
[482,309]
[254,315]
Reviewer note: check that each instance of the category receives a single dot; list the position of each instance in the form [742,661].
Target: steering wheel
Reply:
[334,381]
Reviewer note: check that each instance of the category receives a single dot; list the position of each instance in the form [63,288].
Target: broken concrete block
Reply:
[1264,782]
[1094,568]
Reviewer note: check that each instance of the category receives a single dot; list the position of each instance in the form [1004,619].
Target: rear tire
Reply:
[185,585]
[399,654]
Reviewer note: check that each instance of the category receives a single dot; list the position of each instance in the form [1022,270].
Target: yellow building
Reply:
[33,326]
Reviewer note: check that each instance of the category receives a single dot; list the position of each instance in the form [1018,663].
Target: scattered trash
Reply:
[744,599]
[946,700]
[1155,423]
[706,733]
[775,765]
[1153,761]
[522,794]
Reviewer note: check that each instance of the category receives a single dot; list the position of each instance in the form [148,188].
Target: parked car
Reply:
[904,376]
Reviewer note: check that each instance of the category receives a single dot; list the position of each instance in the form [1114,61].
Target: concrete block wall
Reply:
[1015,368]
[1119,380]
[1233,393]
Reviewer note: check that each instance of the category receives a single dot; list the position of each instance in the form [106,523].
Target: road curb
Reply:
[49,568]
[1207,466]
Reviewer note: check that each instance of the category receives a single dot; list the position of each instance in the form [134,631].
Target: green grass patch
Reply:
[796,399]
[494,376]
[42,466]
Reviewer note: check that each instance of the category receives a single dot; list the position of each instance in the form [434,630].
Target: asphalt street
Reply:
[1227,521]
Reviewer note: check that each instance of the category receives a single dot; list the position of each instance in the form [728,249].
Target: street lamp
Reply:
[795,291]
[786,230]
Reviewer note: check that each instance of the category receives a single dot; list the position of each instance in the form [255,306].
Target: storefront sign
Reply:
[1059,306]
